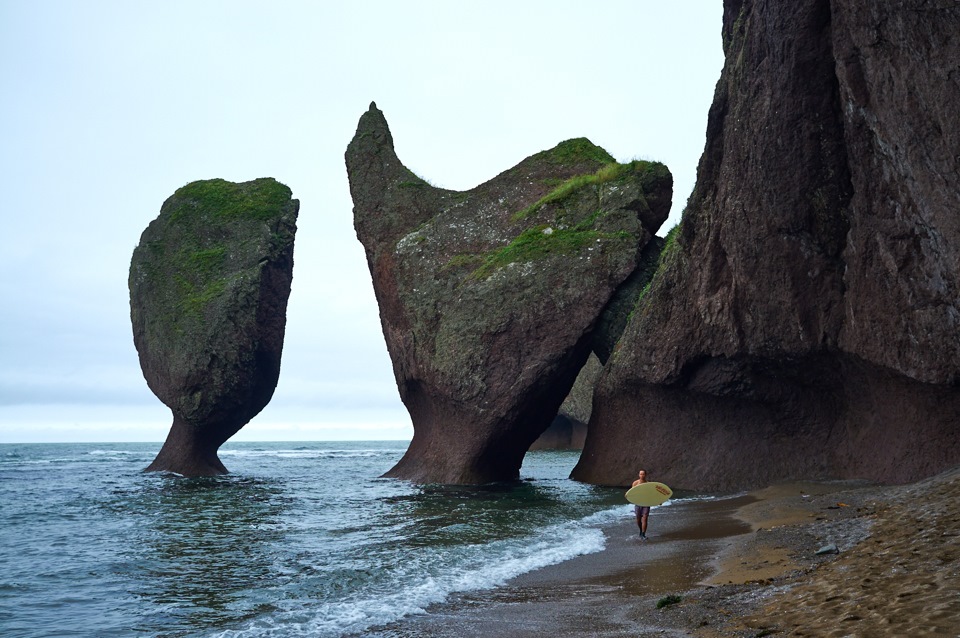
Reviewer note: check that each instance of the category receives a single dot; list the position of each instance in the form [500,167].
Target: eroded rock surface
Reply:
[804,318]
[568,431]
[209,284]
[489,298]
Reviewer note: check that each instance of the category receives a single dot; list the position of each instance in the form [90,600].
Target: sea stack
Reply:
[805,318]
[209,283]
[490,298]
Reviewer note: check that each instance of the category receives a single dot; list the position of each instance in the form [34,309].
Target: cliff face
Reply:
[803,321]
[489,298]
[897,64]
[209,284]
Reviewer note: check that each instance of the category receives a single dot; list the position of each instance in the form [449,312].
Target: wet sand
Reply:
[745,566]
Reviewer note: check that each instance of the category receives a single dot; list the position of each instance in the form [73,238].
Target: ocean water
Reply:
[301,539]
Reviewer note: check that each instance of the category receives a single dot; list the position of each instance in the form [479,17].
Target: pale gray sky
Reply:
[108,107]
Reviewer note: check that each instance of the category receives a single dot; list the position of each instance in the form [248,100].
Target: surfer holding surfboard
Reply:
[645,494]
[641,511]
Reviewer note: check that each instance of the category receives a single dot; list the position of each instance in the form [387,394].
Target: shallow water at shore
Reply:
[744,567]
[300,539]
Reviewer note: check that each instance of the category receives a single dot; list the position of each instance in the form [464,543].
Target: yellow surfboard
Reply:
[649,494]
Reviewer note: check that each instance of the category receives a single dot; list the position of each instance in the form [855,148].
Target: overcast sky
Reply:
[108,107]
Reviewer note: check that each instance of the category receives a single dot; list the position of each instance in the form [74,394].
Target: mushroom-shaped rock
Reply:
[209,283]
[489,298]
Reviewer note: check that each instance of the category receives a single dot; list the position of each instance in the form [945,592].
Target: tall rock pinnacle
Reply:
[490,298]
[209,284]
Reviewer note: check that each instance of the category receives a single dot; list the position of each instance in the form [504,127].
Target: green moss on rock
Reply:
[651,174]
[259,199]
[557,237]
[210,232]
[535,243]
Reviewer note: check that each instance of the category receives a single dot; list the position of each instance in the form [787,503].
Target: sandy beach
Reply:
[798,559]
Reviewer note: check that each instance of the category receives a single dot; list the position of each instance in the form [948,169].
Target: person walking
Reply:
[640,511]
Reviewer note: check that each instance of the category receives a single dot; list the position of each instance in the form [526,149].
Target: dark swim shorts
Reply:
[640,510]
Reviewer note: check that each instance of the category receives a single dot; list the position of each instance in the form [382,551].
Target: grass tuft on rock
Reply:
[578,149]
[541,241]
[611,171]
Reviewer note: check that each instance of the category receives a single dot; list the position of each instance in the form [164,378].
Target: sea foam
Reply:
[433,578]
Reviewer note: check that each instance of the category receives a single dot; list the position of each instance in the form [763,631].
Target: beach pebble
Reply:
[828,549]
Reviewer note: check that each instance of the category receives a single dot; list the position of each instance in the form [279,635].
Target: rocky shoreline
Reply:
[898,572]
[761,564]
